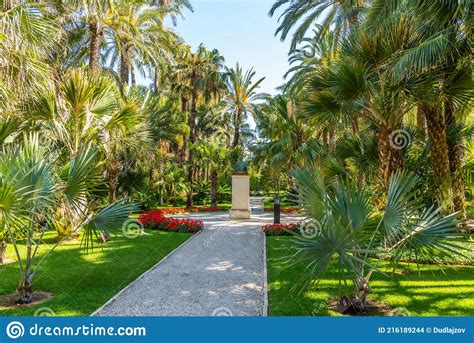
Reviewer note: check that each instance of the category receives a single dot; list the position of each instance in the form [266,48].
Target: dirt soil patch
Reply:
[373,308]
[9,301]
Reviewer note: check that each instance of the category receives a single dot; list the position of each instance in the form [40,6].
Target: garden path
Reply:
[221,271]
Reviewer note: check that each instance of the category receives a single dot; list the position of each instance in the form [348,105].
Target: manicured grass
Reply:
[428,293]
[284,202]
[80,282]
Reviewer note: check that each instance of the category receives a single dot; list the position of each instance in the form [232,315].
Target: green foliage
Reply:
[423,290]
[351,231]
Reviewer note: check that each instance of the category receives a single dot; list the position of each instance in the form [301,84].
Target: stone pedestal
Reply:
[240,197]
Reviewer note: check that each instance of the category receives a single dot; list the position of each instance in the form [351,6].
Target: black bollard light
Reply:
[276,210]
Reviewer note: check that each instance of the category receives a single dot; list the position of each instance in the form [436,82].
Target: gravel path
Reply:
[220,271]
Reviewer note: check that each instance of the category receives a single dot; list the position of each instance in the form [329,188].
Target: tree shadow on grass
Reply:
[427,292]
[80,282]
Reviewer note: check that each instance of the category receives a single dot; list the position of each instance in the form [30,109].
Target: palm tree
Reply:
[29,38]
[197,78]
[33,189]
[343,226]
[214,154]
[305,60]
[285,140]
[338,15]
[86,110]
[439,54]
[138,40]
[357,84]
[241,93]
[96,17]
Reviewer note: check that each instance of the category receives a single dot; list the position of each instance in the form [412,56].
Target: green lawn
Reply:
[81,283]
[430,293]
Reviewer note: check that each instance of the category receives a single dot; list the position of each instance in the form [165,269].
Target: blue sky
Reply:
[242,31]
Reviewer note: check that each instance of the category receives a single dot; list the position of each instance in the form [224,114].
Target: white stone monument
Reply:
[240,197]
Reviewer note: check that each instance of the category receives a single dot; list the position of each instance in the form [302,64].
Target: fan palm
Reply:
[28,39]
[87,110]
[33,189]
[348,230]
[360,83]
[440,55]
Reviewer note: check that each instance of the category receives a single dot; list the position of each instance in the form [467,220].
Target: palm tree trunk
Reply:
[156,80]
[3,250]
[25,290]
[436,127]
[420,118]
[95,42]
[113,178]
[455,152]
[390,157]
[214,188]
[192,138]
[124,69]
[238,118]
[132,73]
[355,125]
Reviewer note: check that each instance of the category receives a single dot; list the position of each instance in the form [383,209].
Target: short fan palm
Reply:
[33,190]
[353,233]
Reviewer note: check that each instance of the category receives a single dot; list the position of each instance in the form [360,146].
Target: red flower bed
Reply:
[156,220]
[280,229]
[286,210]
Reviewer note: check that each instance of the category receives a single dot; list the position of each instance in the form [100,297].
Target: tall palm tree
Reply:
[338,16]
[357,84]
[197,77]
[438,55]
[241,93]
[138,40]
[94,19]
